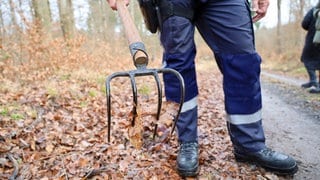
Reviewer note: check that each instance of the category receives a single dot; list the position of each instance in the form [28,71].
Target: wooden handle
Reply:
[140,57]
[131,31]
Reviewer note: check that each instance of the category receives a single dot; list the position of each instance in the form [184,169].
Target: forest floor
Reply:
[56,128]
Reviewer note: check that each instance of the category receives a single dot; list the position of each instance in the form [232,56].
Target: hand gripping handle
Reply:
[136,46]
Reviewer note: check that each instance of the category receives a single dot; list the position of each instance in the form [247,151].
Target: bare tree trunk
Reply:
[13,13]
[66,18]
[297,10]
[301,10]
[2,30]
[96,20]
[279,27]
[101,20]
[42,13]
[105,18]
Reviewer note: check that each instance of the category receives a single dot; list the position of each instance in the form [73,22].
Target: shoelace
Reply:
[189,148]
[267,152]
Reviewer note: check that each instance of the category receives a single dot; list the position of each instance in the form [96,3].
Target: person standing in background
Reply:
[311,51]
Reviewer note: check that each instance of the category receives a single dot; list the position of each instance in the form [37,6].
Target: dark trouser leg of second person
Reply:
[312,76]
[317,89]
[226,27]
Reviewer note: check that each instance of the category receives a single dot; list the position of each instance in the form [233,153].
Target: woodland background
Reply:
[54,59]
[27,29]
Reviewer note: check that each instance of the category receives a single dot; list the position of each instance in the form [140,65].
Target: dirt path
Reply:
[292,124]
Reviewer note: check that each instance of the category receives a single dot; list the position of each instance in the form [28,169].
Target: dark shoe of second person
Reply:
[315,90]
[309,84]
[188,159]
[270,160]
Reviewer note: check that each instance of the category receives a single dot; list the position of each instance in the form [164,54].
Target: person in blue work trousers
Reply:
[227,28]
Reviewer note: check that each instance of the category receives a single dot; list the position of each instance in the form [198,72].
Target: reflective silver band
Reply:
[238,119]
[188,105]
[164,64]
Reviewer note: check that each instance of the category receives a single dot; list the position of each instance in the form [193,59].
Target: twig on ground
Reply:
[64,167]
[94,172]
[15,165]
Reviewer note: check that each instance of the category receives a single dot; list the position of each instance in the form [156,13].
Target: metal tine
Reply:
[108,94]
[159,86]
[131,75]
[182,92]
[135,98]
[155,74]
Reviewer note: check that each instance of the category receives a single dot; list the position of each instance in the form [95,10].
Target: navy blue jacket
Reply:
[310,52]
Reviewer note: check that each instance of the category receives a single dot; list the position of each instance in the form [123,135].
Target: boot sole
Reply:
[289,171]
[188,173]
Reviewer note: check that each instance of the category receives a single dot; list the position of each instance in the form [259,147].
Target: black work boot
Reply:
[188,159]
[315,90]
[270,160]
[309,85]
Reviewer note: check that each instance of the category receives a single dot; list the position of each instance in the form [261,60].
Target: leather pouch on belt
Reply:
[151,14]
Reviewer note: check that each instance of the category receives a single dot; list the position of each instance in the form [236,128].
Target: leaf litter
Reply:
[62,133]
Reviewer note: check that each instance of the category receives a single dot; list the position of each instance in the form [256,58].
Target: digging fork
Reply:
[140,60]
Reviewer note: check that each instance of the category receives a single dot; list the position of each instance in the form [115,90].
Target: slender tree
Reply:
[301,9]
[41,13]
[98,18]
[1,26]
[66,18]
[279,26]
[105,18]
[13,13]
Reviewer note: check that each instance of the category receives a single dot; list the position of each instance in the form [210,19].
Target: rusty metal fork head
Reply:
[140,59]
[141,62]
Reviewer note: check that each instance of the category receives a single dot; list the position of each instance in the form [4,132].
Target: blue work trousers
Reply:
[226,27]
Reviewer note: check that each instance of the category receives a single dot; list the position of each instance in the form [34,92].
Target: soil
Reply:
[291,120]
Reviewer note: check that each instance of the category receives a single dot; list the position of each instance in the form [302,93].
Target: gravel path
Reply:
[292,122]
